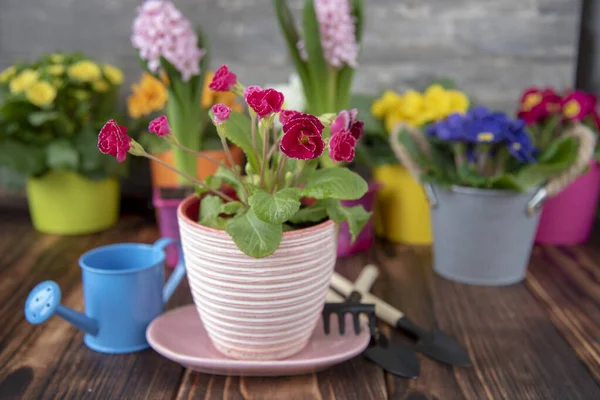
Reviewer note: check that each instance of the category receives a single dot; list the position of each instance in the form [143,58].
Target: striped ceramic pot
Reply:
[258,309]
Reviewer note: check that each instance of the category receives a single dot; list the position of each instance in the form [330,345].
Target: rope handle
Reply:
[402,154]
[587,144]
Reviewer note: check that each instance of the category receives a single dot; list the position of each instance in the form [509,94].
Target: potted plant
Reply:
[569,216]
[175,60]
[402,210]
[259,262]
[325,56]
[50,110]
[486,183]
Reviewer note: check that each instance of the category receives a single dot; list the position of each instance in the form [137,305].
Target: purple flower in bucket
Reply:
[519,143]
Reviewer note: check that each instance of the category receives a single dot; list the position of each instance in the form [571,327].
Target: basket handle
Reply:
[400,151]
[407,161]
[585,152]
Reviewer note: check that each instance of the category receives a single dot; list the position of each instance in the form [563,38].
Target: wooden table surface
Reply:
[535,340]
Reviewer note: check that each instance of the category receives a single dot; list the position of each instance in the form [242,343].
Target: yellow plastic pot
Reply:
[402,214]
[66,203]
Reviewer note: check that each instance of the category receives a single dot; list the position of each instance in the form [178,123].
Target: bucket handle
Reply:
[404,157]
[587,144]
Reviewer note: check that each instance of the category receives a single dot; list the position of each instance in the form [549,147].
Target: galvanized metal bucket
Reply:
[482,237]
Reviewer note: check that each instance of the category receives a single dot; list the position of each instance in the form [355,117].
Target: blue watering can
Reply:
[123,292]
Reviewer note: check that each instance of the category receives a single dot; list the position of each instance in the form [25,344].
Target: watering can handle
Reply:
[179,271]
[587,145]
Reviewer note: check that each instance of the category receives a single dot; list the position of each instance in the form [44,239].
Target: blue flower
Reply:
[519,143]
[486,127]
[452,128]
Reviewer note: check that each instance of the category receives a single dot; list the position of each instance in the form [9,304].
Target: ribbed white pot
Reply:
[258,309]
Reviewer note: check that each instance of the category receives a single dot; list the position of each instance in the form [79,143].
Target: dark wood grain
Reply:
[529,341]
[567,283]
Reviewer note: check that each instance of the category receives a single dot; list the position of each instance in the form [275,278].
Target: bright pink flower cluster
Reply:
[264,102]
[160,126]
[302,136]
[536,105]
[338,37]
[220,113]
[345,132]
[223,80]
[161,30]
[113,140]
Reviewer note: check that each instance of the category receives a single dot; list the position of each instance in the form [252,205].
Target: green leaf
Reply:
[317,66]
[229,177]
[505,182]
[363,102]
[559,156]
[233,207]
[238,131]
[210,208]
[212,182]
[316,212]
[346,74]
[41,117]
[335,183]
[275,208]
[291,36]
[61,154]
[254,237]
[356,216]
[23,159]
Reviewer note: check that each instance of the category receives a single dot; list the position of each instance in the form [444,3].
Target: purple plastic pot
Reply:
[166,218]
[365,239]
[568,217]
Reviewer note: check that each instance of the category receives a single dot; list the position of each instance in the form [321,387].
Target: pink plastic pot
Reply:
[568,217]
[166,219]
[365,239]
[257,309]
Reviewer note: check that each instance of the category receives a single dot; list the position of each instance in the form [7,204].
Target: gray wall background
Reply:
[491,48]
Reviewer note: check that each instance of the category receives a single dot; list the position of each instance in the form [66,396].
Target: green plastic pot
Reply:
[66,203]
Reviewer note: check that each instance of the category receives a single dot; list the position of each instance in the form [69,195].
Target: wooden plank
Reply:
[35,360]
[405,282]
[567,283]
[516,351]
[356,379]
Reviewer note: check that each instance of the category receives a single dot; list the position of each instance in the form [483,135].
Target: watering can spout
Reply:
[44,301]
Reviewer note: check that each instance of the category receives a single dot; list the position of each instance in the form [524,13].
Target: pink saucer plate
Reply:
[180,336]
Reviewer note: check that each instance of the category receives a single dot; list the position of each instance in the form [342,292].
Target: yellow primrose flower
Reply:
[41,94]
[7,74]
[388,102]
[392,119]
[437,101]
[81,95]
[459,102]
[412,103]
[57,58]
[84,71]
[113,74]
[101,86]
[23,81]
[56,69]
[147,96]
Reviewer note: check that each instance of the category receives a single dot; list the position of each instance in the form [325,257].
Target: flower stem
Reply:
[253,132]
[232,163]
[297,178]
[264,163]
[199,154]
[280,167]
[189,177]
